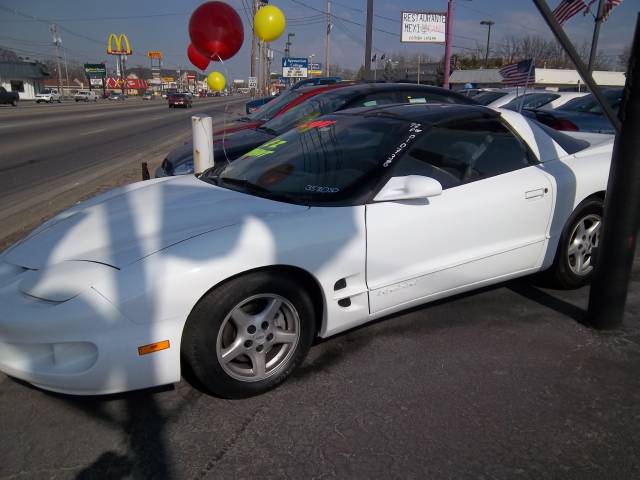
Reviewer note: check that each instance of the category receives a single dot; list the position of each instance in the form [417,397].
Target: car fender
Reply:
[327,243]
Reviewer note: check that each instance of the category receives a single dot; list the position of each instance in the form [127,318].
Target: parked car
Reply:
[346,219]
[582,114]
[179,100]
[11,98]
[85,96]
[307,82]
[48,96]
[542,99]
[328,98]
[148,96]
[117,96]
[254,105]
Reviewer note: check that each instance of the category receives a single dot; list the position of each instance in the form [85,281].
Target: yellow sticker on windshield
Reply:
[266,148]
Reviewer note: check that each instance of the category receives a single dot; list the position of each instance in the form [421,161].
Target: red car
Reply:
[276,107]
[179,100]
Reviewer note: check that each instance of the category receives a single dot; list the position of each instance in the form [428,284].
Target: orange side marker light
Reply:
[153,347]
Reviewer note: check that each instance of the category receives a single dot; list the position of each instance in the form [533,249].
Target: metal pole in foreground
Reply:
[566,44]
[608,293]
[202,129]
[447,47]
[367,47]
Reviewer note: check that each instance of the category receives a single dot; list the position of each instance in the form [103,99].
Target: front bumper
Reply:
[82,346]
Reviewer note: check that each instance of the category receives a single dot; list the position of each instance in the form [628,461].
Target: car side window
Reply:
[375,99]
[464,151]
[419,96]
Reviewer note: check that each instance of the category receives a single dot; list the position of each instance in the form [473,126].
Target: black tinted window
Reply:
[569,144]
[485,98]
[332,159]
[464,151]
[375,99]
[531,100]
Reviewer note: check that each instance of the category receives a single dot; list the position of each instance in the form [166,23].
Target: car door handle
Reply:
[538,192]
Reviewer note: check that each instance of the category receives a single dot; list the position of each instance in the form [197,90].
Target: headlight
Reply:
[184,168]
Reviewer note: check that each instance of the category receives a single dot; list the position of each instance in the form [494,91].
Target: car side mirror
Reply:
[411,187]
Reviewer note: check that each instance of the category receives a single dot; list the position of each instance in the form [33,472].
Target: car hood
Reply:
[132,222]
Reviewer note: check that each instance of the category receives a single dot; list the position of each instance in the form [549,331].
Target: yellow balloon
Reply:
[216,81]
[269,23]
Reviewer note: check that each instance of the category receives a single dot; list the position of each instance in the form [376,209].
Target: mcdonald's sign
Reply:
[118,45]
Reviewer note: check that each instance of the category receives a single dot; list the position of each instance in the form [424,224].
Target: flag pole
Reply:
[526,82]
[596,34]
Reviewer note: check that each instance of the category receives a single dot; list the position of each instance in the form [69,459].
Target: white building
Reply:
[26,78]
[549,78]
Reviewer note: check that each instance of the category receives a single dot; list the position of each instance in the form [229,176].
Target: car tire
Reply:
[14,102]
[573,267]
[37,101]
[76,100]
[263,321]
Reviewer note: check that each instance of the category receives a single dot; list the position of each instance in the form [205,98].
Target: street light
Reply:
[287,47]
[310,59]
[488,23]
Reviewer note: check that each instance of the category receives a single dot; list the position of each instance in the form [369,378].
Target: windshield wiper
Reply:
[268,130]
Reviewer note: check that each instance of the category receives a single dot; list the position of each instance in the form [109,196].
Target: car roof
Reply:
[366,88]
[429,114]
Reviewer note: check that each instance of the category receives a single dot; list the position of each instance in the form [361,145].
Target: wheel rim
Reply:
[584,238]
[258,337]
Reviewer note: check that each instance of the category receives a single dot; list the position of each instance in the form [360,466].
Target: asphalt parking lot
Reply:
[499,384]
[503,383]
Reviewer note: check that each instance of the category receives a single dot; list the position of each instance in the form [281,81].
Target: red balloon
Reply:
[198,60]
[216,30]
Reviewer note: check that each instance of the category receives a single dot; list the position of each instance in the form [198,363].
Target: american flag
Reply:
[518,74]
[567,9]
[608,6]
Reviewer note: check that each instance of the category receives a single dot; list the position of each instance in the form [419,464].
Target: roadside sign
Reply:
[93,70]
[168,79]
[315,69]
[155,54]
[95,81]
[295,67]
[423,27]
[191,76]
[253,82]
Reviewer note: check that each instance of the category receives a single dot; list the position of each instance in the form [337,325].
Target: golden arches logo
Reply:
[118,42]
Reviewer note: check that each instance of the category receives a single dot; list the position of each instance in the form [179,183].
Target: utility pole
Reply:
[327,44]
[254,9]
[596,34]
[367,47]
[447,47]
[488,23]
[57,41]
[66,70]
[419,61]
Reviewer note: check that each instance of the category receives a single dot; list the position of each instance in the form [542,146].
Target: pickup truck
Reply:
[9,97]
[48,96]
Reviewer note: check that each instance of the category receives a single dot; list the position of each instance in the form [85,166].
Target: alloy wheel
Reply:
[584,238]
[258,337]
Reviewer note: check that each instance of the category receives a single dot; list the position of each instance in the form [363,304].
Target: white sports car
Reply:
[345,219]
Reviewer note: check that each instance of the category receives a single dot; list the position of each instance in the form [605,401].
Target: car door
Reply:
[490,221]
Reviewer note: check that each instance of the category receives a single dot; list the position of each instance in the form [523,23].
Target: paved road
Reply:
[46,148]
[500,384]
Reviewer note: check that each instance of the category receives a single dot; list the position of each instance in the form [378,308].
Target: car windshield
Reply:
[485,98]
[178,95]
[531,100]
[337,158]
[588,103]
[269,110]
[308,110]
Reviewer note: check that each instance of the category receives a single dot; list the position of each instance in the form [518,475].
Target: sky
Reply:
[163,25]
